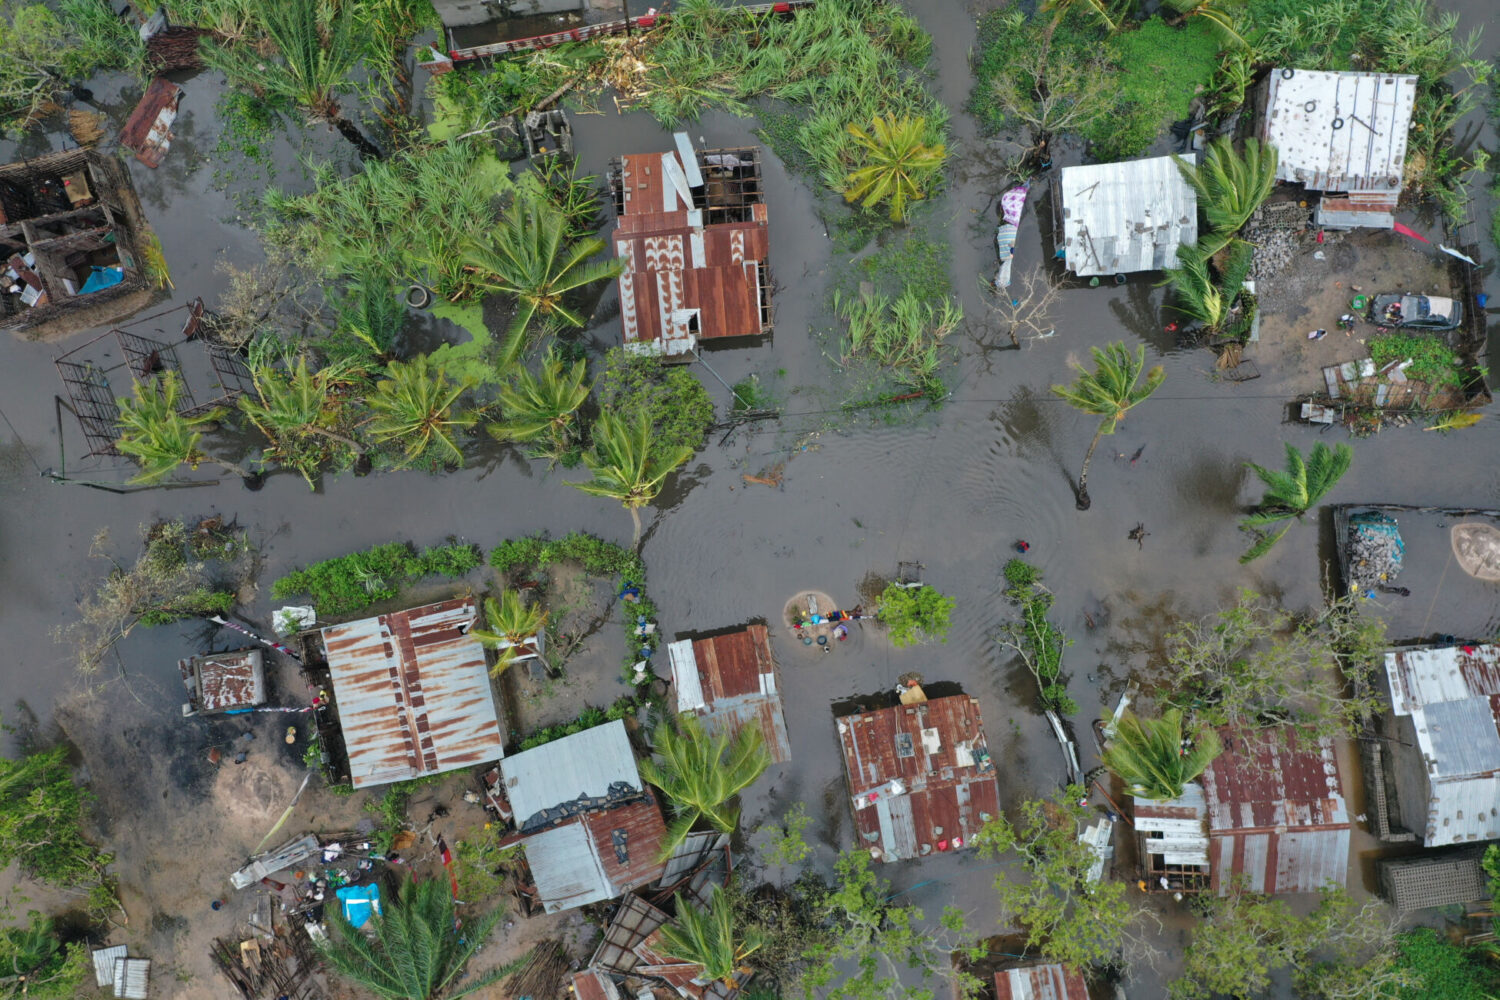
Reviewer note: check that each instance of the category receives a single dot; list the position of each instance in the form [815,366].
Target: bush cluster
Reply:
[353,582]
[914,614]
[677,406]
[587,719]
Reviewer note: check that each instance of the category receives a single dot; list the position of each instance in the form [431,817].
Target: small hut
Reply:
[729,681]
[223,682]
[1118,218]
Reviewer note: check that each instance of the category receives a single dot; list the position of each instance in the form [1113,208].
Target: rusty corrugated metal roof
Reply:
[920,776]
[413,693]
[592,984]
[597,856]
[148,131]
[218,682]
[1276,815]
[682,976]
[730,682]
[1041,982]
[1339,131]
[1452,695]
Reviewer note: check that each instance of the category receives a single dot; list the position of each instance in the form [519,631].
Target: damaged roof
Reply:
[586,770]
[1124,217]
[1339,131]
[729,681]
[413,693]
[597,855]
[1181,825]
[218,682]
[920,777]
[1041,982]
[148,131]
[1276,815]
[1452,694]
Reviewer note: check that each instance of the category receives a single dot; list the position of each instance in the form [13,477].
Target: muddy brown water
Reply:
[952,489]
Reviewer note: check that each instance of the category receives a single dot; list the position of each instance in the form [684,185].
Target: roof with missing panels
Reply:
[413,694]
[1276,815]
[1339,131]
[1452,694]
[570,775]
[730,682]
[218,682]
[920,777]
[596,856]
[1041,982]
[1124,217]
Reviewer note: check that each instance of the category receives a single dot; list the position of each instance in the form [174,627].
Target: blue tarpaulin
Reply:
[101,278]
[360,902]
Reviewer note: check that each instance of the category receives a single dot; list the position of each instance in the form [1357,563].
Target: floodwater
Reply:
[952,490]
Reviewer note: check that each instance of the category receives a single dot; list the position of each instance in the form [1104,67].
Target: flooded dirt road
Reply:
[952,489]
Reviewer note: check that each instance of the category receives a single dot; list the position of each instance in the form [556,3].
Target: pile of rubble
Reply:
[1375,552]
[1280,232]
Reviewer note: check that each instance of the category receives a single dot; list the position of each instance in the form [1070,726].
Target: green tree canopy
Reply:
[625,465]
[1292,493]
[899,164]
[155,432]
[416,407]
[712,937]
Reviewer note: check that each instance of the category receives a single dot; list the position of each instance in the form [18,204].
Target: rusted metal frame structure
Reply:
[727,193]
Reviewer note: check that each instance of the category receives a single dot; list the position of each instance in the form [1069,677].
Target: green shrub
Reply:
[353,582]
[1034,638]
[41,821]
[1433,361]
[675,403]
[915,614]
[1161,69]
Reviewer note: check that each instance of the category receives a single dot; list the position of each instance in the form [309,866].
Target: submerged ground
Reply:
[951,489]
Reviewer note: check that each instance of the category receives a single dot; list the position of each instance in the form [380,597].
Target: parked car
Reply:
[1416,312]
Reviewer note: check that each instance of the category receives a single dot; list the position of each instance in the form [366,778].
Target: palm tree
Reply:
[625,465]
[543,405]
[700,772]
[709,938]
[416,951]
[159,437]
[1291,494]
[317,48]
[415,404]
[1220,15]
[509,624]
[1195,293]
[528,256]
[1098,7]
[293,406]
[1153,759]
[898,164]
[1108,392]
[1230,185]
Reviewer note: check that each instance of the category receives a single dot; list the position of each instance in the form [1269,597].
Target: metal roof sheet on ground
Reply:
[682,976]
[692,852]
[133,978]
[1124,217]
[221,681]
[588,765]
[1433,880]
[104,963]
[148,131]
[413,694]
[1339,131]
[920,776]
[1276,815]
[592,984]
[1041,982]
[1452,694]
[730,681]
[633,921]
[293,852]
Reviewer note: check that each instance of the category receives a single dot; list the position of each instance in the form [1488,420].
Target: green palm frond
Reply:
[1152,758]
[1230,185]
[1114,386]
[899,164]
[155,434]
[711,938]
[509,623]
[1097,7]
[624,464]
[1265,543]
[315,53]
[415,405]
[1292,492]
[700,772]
[542,404]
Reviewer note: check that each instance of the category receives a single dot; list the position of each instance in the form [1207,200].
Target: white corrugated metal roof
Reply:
[133,978]
[104,963]
[685,676]
[584,764]
[1124,217]
[1182,824]
[566,868]
[1339,131]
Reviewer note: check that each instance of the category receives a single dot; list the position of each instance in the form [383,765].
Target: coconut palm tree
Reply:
[899,164]
[711,938]
[1098,7]
[416,951]
[509,623]
[294,405]
[1108,392]
[700,772]
[625,465]
[159,437]
[543,405]
[316,49]
[1230,186]
[1221,15]
[1153,759]
[1198,296]
[415,404]
[528,256]
[1292,493]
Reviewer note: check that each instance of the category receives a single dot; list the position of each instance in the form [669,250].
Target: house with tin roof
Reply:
[729,681]
[1118,218]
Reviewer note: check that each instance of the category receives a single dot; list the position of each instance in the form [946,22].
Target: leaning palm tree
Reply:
[899,165]
[294,406]
[416,951]
[509,623]
[625,465]
[1153,759]
[1292,493]
[543,405]
[1098,7]
[1195,292]
[528,256]
[416,404]
[159,437]
[1220,15]
[1108,392]
[316,49]
[700,772]
[710,938]
[1230,186]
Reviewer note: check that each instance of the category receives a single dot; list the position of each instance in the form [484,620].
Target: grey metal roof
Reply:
[566,868]
[1451,694]
[1339,131]
[133,978]
[1182,825]
[585,764]
[104,963]
[1124,217]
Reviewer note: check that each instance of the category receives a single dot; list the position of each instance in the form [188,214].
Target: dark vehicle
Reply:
[1416,312]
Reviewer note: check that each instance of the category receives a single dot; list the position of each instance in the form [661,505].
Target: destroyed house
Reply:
[591,828]
[1267,815]
[223,682]
[920,777]
[1340,133]
[1117,218]
[729,681]
[691,237]
[1441,763]
[412,692]
[71,235]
